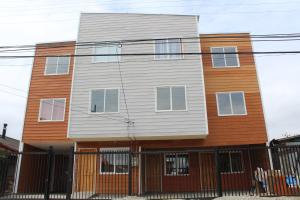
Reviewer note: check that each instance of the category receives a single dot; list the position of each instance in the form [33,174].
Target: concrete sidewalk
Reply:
[256,198]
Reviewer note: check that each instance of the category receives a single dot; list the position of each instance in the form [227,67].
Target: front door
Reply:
[86,170]
[153,173]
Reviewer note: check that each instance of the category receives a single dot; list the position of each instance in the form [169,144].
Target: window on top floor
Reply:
[107,49]
[222,60]
[231,103]
[57,65]
[168,46]
[52,109]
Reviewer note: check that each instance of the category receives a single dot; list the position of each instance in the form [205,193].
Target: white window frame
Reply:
[230,161]
[104,45]
[232,114]
[171,100]
[221,67]
[90,100]
[56,74]
[165,166]
[40,111]
[113,149]
[181,56]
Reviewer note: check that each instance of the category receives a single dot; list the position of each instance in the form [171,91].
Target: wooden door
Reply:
[207,171]
[153,173]
[86,170]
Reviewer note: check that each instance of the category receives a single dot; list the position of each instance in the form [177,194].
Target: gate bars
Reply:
[153,174]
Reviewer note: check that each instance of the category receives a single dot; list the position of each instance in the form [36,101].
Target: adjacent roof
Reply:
[295,138]
[9,143]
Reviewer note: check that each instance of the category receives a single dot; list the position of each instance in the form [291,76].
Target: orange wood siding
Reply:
[51,86]
[233,130]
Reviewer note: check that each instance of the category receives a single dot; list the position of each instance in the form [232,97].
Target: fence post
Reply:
[70,173]
[218,174]
[48,173]
[129,173]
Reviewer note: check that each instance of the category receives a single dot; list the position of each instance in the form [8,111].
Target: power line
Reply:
[149,54]
[88,46]
[13,88]
[202,36]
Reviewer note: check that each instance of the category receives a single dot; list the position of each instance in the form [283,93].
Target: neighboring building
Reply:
[288,141]
[8,160]
[146,102]
[286,155]
[9,145]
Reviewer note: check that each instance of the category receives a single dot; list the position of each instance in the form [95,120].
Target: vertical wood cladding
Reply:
[232,130]
[51,86]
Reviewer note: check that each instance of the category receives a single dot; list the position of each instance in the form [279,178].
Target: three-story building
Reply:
[138,82]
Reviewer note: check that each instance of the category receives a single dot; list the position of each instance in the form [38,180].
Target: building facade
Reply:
[152,91]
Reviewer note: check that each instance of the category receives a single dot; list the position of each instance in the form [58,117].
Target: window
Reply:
[57,65]
[114,160]
[222,60]
[107,49]
[177,164]
[52,109]
[231,162]
[104,100]
[170,98]
[168,46]
[231,103]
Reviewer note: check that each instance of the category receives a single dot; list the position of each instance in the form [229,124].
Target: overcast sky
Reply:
[35,21]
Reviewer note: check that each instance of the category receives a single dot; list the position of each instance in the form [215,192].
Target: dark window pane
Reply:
[218,59]
[163,98]
[51,65]
[63,65]
[121,162]
[174,47]
[46,109]
[236,162]
[224,162]
[111,100]
[238,104]
[224,104]
[171,164]
[107,162]
[231,59]
[97,101]
[178,98]
[182,164]
[58,109]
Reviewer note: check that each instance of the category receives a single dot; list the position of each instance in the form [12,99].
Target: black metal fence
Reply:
[157,174]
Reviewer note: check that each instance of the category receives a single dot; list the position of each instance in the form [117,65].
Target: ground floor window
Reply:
[176,164]
[231,162]
[114,160]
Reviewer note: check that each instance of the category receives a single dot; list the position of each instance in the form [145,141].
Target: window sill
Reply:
[56,74]
[113,173]
[177,174]
[225,67]
[161,111]
[102,113]
[241,172]
[232,115]
[51,121]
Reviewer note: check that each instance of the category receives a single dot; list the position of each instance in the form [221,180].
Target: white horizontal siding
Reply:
[141,75]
